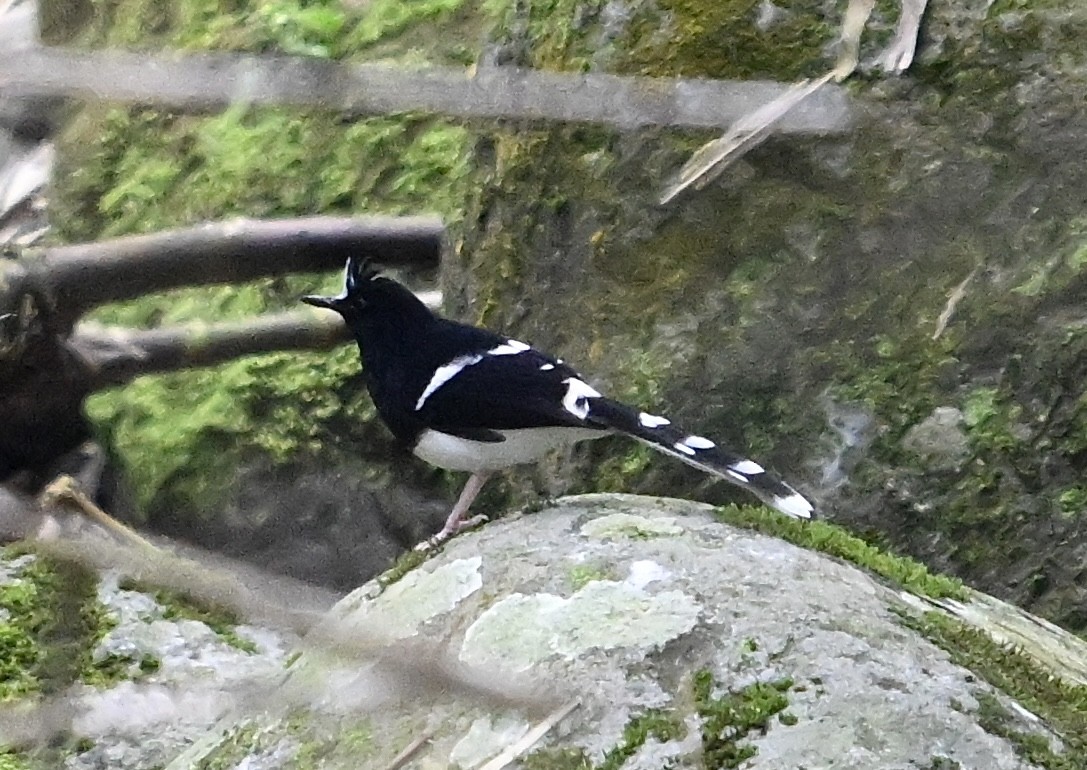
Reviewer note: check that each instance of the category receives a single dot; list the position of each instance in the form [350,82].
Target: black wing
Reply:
[504,391]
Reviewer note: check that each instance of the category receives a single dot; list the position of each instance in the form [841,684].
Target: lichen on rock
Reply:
[719,648]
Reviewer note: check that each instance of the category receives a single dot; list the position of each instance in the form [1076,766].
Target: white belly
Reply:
[524,445]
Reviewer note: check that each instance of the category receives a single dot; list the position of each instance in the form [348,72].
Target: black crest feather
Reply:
[359,272]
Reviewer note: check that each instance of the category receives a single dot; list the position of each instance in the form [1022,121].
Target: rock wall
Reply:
[893,319]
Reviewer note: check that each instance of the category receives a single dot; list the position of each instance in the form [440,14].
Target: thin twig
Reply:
[116,355]
[64,489]
[709,161]
[529,739]
[953,302]
[409,751]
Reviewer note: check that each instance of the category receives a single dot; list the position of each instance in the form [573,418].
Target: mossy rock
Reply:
[705,646]
[813,279]
[809,281]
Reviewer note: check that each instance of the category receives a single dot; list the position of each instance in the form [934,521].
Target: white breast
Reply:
[524,445]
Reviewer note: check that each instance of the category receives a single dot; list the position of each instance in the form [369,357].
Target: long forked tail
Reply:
[700,452]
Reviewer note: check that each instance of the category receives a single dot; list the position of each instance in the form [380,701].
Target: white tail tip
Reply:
[794,505]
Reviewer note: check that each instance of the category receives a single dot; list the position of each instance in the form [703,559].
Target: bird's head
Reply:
[358,275]
[367,294]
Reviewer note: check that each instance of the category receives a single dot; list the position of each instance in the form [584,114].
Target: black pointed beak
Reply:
[331,303]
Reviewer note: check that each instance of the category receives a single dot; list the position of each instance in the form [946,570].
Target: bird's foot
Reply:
[448,531]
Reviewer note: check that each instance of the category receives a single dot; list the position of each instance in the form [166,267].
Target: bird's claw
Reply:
[448,532]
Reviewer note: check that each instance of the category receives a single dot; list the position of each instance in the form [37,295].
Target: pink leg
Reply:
[456,521]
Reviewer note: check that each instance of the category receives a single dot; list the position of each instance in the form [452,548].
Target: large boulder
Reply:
[685,642]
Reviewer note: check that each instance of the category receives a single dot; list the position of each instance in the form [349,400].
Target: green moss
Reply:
[10,760]
[943,763]
[557,759]
[390,18]
[141,170]
[499,252]
[17,639]
[727,719]
[989,417]
[223,622]
[181,435]
[235,746]
[302,743]
[404,564]
[1035,748]
[721,39]
[1063,270]
[618,471]
[51,623]
[562,35]
[656,723]
[660,724]
[1073,501]
[315,28]
[896,376]
[325,746]
[836,541]
[583,574]
[1060,705]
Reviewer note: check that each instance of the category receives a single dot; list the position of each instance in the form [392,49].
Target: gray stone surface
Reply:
[145,722]
[618,601]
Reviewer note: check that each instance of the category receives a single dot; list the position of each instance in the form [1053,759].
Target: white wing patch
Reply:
[747,467]
[547,367]
[576,399]
[794,505]
[509,348]
[652,421]
[444,374]
[698,442]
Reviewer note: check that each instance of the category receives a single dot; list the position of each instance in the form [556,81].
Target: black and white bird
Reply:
[466,399]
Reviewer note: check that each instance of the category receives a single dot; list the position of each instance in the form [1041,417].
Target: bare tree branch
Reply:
[209,81]
[118,355]
[80,277]
[46,372]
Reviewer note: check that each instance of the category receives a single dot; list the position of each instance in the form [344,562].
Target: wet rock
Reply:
[940,440]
